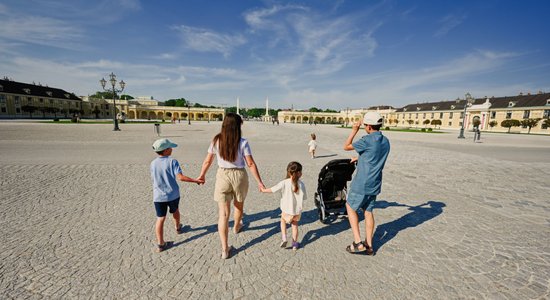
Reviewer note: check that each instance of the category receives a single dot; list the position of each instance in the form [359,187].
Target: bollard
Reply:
[157,129]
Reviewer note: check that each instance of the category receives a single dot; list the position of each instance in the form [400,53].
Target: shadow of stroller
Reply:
[418,215]
[337,225]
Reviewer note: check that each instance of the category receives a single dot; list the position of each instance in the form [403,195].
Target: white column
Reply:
[237,105]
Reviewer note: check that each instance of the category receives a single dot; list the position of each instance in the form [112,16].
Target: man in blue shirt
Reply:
[373,150]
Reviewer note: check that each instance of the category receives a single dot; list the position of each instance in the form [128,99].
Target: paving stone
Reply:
[78,222]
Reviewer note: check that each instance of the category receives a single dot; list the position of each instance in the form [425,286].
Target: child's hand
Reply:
[200,180]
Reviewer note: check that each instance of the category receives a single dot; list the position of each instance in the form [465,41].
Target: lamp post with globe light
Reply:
[469,101]
[114,90]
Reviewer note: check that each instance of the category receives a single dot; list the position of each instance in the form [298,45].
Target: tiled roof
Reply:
[499,102]
[14,87]
[380,107]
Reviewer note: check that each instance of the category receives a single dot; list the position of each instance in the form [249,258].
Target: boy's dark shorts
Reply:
[162,207]
[359,201]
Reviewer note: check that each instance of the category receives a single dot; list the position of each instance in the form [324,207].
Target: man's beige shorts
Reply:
[231,184]
[289,218]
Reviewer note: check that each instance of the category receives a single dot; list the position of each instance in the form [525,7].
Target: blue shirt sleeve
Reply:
[176,167]
[360,145]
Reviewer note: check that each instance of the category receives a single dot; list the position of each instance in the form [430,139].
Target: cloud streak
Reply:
[204,40]
[449,23]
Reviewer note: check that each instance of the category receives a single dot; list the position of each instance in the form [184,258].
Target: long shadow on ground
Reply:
[418,215]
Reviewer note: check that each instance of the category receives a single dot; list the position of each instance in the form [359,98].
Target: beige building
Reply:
[22,100]
[490,112]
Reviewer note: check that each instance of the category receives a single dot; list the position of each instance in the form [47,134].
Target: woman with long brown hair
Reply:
[232,153]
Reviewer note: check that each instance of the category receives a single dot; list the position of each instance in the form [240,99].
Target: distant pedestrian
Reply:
[293,192]
[312,145]
[373,150]
[165,171]
[232,153]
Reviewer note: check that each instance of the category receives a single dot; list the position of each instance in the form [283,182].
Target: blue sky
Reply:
[327,54]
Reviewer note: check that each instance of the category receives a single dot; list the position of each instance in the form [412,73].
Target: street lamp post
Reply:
[114,90]
[188,113]
[469,101]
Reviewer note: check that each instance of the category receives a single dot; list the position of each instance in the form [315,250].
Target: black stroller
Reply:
[332,189]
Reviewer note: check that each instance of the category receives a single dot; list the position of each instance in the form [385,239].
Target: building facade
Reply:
[22,100]
[448,114]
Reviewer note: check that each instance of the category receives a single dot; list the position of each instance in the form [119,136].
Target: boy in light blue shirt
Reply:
[373,150]
[165,171]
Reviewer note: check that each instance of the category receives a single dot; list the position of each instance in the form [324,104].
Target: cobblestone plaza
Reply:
[455,219]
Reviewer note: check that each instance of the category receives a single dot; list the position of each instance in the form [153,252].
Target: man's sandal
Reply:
[370,250]
[354,248]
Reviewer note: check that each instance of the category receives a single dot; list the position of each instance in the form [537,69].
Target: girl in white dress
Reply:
[312,145]
[293,193]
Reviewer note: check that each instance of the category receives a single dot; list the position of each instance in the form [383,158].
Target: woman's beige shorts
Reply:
[231,184]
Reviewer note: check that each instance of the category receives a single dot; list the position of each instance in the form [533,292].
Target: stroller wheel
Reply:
[322,215]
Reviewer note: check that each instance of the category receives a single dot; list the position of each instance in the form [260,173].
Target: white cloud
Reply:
[448,23]
[40,30]
[204,40]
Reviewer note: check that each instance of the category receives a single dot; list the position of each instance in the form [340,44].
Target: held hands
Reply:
[200,180]
[261,187]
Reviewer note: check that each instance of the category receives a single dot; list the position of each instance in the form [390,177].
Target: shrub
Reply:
[430,130]
[56,120]
[387,128]
[423,129]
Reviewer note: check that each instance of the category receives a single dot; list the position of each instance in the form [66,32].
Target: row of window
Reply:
[526,115]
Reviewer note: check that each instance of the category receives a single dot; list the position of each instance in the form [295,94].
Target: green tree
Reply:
[314,109]
[29,108]
[103,95]
[546,122]
[96,111]
[510,123]
[180,102]
[126,97]
[410,122]
[493,124]
[436,123]
[476,122]
[530,123]
[426,122]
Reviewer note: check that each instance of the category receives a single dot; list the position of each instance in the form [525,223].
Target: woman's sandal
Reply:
[354,248]
[162,247]
[237,228]
[227,254]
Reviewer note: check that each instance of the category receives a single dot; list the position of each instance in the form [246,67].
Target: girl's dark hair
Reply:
[313,136]
[291,169]
[229,137]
